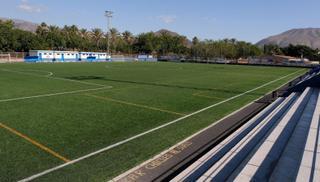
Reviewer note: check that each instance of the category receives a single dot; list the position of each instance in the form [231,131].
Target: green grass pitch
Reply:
[74,109]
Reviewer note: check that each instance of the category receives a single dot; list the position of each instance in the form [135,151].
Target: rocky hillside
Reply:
[23,25]
[306,36]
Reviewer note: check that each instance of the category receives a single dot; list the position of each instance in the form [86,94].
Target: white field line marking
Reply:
[56,78]
[48,73]
[52,94]
[146,132]
[188,138]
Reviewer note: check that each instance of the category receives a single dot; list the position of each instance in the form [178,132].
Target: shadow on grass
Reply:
[157,84]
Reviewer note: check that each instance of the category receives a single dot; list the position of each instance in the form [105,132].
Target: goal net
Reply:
[5,58]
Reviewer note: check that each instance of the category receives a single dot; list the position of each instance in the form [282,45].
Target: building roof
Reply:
[285,57]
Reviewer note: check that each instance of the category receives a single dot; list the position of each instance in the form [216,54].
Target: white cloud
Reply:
[30,8]
[168,19]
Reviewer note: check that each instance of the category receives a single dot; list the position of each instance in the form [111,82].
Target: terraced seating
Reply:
[282,143]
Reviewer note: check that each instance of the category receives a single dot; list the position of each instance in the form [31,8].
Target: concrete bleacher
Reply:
[281,143]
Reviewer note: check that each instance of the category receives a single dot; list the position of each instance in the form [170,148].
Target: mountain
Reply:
[162,31]
[23,25]
[306,36]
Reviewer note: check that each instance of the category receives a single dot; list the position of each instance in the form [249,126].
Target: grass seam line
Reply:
[149,131]
[52,94]
[134,104]
[35,143]
[200,94]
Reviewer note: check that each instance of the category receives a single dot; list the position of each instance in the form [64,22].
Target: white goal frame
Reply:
[5,58]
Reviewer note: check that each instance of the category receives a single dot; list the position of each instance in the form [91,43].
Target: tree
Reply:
[72,37]
[127,43]
[146,43]
[114,35]
[128,37]
[42,30]
[301,51]
[55,39]
[195,41]
[271,49]
[97,35]
[7,37]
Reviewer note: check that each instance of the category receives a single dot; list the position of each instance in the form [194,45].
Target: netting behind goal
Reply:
[5,58]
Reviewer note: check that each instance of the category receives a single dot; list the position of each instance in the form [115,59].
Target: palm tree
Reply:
[54,38]
[42,29]
[74,29]
[53,28]
[128,37]
[233,41]
[84,33]
[97,35]
[114,33]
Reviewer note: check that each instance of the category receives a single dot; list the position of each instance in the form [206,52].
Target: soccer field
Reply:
[97,120]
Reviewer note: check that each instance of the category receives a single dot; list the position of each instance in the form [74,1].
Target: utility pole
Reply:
[109,15]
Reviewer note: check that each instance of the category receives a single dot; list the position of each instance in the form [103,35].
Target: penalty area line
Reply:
[35,176]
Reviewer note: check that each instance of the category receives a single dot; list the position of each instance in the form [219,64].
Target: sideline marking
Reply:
[147,132]
[186,139]
[56,78]
[52,94]
[39,145]
[133,104]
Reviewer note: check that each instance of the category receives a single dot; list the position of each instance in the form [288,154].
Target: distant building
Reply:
[65,56]
[146,57]
[279,60]
[242,61]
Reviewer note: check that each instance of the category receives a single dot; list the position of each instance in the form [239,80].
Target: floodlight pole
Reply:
[109,15]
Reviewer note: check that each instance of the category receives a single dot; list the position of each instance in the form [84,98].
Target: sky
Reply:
[248,20]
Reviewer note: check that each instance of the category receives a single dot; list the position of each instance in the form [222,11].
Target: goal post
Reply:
[5,58]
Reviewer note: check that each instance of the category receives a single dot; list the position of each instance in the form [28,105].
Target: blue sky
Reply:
[249,20]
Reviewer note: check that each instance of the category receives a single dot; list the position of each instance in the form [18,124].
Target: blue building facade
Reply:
[65,56]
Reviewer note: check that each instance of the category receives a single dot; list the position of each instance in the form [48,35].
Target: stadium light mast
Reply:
[109,15]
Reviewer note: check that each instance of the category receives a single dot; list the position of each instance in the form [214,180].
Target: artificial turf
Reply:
[143,96]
